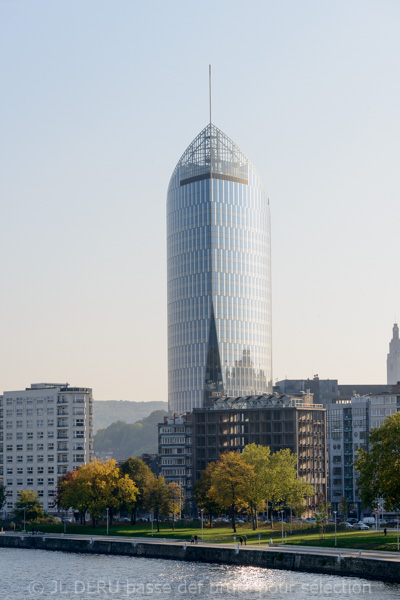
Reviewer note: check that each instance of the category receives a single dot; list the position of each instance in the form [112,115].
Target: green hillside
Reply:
[123,440]
[109,411]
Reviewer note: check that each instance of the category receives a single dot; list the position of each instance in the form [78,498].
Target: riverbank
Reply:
[308,560]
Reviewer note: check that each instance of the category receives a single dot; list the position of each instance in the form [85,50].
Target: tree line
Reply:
[252,482]
[129,487]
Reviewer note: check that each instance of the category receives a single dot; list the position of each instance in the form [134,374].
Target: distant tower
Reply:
[393,358]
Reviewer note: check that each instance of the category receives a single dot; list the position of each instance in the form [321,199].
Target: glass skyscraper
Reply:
[219,275]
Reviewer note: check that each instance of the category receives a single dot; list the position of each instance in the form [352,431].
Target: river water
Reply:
[29,574]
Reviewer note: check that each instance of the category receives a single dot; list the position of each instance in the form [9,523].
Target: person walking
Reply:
[385,531]
[195,539]
[192,540]
[241,540]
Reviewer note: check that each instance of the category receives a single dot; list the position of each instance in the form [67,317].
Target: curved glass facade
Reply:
[219,275]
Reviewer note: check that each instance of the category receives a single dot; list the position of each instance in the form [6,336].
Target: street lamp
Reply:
[202,523]
[334,512]
[107,509]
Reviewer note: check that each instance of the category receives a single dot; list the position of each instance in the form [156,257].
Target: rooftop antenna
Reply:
[209,85]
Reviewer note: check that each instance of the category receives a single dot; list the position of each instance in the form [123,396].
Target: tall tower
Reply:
[393,358]
[219,275]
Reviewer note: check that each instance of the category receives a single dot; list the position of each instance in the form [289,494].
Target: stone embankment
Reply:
[384,569]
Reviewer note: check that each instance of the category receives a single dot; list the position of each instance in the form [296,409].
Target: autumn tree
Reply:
[256,489]
[97,486]
[229,480]
[143,478]
[159,499]
[28,507]
[176,498]
[202,492]
[379,468]
[73,492]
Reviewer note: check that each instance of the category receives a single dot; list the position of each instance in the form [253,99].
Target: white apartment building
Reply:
[45,431]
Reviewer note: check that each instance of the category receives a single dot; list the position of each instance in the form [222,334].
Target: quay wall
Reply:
[276,558]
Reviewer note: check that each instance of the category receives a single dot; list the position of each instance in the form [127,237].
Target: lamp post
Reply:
[107,509]
[334,512]
[202,523]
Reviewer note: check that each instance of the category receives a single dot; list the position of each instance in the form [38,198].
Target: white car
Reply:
[361,526]
[348,525]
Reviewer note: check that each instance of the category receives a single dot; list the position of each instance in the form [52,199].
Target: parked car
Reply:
[348,525]
[362,526]
[369,520]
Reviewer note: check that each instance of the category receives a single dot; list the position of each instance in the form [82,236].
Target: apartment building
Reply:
[349,423]
[45,431]
[175,452]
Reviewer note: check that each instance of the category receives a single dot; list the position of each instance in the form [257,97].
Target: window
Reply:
[20,482]
[9,412]
[20,470]
[40,423]
[39,411]
[29,481]
[19,447]
[40,446]
[9,402]
[40,457]
[29,447]
[9,471]
[40,481]
[19,412]
[50,411]
[9,482]
[40,470]
[50,458]
[29,470]
[79,422]
[9,436]
[50,481]
[29,435]
[50,434]
[9,424]
[29,412]
[20,458]
[50,470]
[29,423]
[9,447]
[19,435]
[39,435]
[19,424]
[29,458]
[50,422]
[50,446]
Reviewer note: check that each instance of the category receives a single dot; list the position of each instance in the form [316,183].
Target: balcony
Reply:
[62,412]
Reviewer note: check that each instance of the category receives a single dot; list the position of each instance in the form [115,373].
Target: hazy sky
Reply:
[98,102]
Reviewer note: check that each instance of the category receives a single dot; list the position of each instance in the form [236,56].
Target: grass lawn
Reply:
[306,536]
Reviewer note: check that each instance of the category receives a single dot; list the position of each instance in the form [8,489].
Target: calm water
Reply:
[54,575]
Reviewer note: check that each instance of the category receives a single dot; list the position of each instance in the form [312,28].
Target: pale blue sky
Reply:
[98,102]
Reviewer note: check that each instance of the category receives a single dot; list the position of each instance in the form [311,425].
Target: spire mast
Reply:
[209,86]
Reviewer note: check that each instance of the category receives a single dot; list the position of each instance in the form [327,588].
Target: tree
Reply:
[322,519]
[205,500]
[143,478]
[97,486]
[379,468]
[73,492]
[159,499]
[256,489]
[3,495]
[28,507]
[176,498]
[229,481]
[343,507]
[282,478]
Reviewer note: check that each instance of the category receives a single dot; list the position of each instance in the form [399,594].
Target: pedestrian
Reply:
[192,540]
[384,531]
[195,539]
[241,540]
[245,540]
